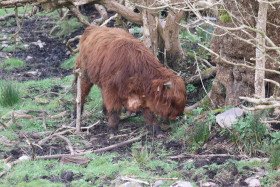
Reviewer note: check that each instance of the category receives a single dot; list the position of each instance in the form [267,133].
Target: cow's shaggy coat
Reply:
[129,75]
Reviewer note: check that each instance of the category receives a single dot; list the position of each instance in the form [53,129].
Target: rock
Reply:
[158,183]
[226,119]
[28,58]
[182,184]
[131,184]
[210,184]
[252,182]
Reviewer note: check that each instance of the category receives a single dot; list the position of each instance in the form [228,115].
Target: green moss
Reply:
[206,104]
[225,18]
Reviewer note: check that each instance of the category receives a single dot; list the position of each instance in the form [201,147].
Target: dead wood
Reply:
[78,101]
[125,178]
[70,147]
[186,155]
[87,128]
[78,160]
[10,15]
[68,44]
[77,13]
[108,20]
[206,74]
[103,14]
[58,156]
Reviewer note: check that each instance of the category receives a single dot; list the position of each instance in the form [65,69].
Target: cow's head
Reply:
[170,97]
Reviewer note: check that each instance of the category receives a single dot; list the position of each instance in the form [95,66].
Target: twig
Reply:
[43,141]
[78,101]
[185,155]
[108,20]
[68,44]
[154,178]
[68,142]
[87,128]
[133,180]
[44,120]
[94,151]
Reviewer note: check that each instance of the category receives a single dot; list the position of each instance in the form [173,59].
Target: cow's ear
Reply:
[168,84]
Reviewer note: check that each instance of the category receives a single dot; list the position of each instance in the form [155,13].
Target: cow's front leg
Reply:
[152,123]
[113,120]
[112,106]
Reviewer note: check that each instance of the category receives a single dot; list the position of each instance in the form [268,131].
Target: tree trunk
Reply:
[260,50]
[232,81]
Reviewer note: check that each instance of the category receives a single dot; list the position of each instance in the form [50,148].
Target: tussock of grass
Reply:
[12,63]
[9,93]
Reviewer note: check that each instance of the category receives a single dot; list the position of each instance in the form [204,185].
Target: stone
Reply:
[226,119]
[253,182]
[209,184]
[158,183]
[131,184]
[182,184]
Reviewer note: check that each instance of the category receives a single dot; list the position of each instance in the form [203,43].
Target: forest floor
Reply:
[45,85]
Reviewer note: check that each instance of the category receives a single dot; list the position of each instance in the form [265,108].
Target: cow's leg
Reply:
[112,106]
[152,123]
[85,89]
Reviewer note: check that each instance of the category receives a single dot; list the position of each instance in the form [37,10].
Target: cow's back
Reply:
[94,45]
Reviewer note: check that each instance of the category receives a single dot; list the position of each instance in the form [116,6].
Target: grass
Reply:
[65,27]
[9,93]
[12,63]
[69,63]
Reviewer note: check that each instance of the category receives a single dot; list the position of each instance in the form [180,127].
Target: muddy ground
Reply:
[45,62]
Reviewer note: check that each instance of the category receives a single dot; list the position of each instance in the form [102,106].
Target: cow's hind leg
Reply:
[85,89]
[152,123]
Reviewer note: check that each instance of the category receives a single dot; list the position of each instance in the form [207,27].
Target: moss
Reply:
[225,18]
[206,104]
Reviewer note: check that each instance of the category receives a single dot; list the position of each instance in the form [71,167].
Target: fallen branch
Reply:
[87,128]
[68,44]
[67,141]
[186,155]
[11,15]
[206,74]
[94,151]
[154,178]
[133,180]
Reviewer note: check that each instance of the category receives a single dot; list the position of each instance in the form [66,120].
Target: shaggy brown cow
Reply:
[128,75]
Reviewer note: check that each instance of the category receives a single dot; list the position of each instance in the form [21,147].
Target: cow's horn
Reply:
[169,84]
[158,88]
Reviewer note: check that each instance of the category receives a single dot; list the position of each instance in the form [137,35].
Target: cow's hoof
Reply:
[156,131]
[112,131]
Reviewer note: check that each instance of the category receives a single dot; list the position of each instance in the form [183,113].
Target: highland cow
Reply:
[128,75]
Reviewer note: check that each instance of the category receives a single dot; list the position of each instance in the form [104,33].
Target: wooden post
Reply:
[78,102]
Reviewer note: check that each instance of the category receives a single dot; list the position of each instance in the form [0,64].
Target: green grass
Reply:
[70,63]
[12,63]
[9,93]
[65,27]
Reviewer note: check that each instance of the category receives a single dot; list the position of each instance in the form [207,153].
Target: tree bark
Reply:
[260,50]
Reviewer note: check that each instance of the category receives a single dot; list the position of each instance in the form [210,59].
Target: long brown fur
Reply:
[128,74]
